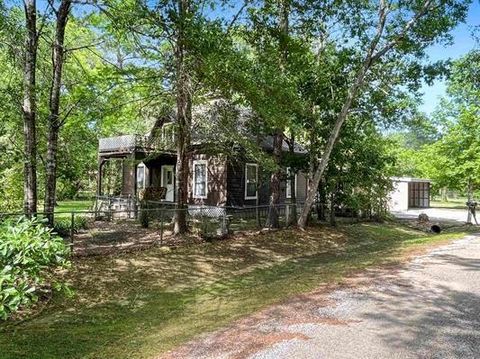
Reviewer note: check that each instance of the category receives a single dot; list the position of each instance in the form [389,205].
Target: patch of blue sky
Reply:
[463,42]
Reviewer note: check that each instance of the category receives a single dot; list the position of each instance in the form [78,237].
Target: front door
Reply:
[168,181]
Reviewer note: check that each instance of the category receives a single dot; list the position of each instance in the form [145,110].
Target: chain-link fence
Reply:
[111,228]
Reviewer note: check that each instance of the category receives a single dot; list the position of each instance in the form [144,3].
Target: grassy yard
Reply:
[458,203]
[141,304]
[74,205]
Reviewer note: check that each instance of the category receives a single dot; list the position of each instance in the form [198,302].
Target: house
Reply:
[222,174]
[409,193]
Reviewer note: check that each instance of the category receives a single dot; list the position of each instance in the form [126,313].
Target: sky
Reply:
[463,42]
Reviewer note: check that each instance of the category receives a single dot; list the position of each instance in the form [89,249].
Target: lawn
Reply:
[74,206]
[141,304]
[457,203]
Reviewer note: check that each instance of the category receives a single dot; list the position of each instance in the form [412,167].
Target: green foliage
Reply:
[451,156]
[360,171]
[120,78]
[140,305]
[28,253]
[63,225]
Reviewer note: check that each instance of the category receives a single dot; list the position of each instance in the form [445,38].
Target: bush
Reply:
[28,254]
[62,226]
[144,218]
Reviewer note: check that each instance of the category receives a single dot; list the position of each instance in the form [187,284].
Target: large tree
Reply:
[54,120]
[451,161]
[397,30]
[29,107]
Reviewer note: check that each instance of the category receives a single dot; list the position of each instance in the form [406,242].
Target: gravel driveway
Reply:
[429,308]
[436,214]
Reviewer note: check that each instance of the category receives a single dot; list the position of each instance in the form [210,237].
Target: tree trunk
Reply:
[313,185]
[275,178]
[54,123]
[444,194]
[293,185]
[184,120]
[29,109]
[322,197]
[469,200]
[370,58]
[333,222]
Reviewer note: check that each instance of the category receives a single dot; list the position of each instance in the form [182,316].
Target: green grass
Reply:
[74,205]
[141,304]
[457,203]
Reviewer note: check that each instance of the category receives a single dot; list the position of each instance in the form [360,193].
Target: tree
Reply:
[405,27]
[174,36]
[29,108]
[452,160]
[54,120]
[278,134]
[184,113]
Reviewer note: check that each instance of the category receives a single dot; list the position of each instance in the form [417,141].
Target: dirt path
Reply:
[430,308]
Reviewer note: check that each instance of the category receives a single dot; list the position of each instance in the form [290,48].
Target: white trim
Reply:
[141,165]
[200,162]
[163,168]
[256,180]
[169,126]
[288,194]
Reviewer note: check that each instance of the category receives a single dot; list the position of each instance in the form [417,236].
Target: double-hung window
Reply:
[168,133]
[200,180]
[140,176]
[290,176]
[251,179]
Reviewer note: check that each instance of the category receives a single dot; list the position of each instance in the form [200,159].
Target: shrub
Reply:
[28,254]
[62,225]
[144,218]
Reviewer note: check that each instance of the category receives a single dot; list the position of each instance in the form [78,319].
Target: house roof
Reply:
[267,144]
[410,179]
[216,122]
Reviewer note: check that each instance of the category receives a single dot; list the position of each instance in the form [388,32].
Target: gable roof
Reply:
[219,122]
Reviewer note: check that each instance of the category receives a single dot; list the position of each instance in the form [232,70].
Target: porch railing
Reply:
[128,143]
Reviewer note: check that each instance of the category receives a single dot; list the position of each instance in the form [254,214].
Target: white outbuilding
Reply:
[409,193]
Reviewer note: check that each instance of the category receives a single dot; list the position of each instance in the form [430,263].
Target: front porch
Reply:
[128,165]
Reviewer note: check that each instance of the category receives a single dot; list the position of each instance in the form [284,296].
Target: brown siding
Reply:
[217,181]
[235,183]
[301,187]
[236,186]
[128,176]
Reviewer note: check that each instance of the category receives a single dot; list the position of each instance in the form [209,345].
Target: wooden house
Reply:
[218,177]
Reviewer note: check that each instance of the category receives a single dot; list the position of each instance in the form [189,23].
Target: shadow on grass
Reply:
[140,304]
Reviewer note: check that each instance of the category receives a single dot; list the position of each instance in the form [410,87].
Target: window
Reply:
[419,194]
[140,176]
[200,181]
[288,191]
[251,179]
[168,133]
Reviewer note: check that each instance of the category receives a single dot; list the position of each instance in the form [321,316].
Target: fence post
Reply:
[161,226]
[109,209]
[225,224]
[202,224]
[72,230]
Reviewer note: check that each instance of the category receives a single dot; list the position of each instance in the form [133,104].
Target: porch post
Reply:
[134,162]
[101,161]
